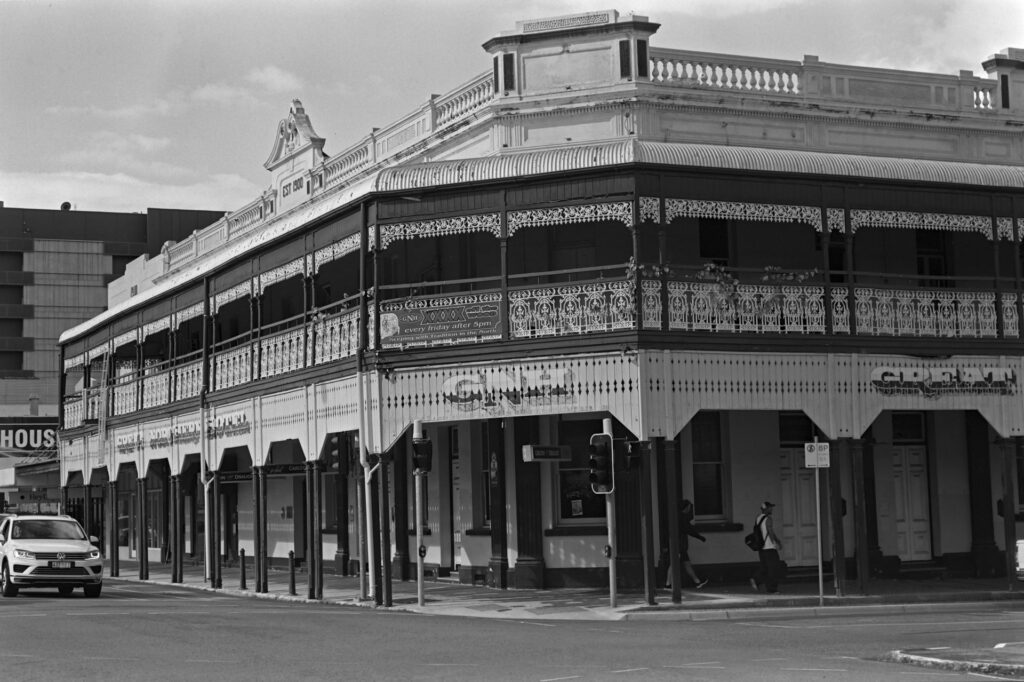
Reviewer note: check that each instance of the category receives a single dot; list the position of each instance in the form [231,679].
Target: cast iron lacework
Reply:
[224,297]
[335,251]
[737,210]
[621,211]
[1004,227]
[836,219]
[126,338]
[74,361]
[1010,323]
[194,310]
[232,368]
[96,352]
[334,337]
[962,314]
[650,209]
[282,352]
[485,222]
[153,327]
[751,308]
[571,309]
[925,221]
[281,273]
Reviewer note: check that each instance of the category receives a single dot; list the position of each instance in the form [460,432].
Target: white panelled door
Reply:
[794,517]
[910,502]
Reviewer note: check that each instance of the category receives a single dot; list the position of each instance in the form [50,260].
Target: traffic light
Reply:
[602,464]
[422,454]
[337,454]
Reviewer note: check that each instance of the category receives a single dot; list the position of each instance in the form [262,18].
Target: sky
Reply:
[123,105]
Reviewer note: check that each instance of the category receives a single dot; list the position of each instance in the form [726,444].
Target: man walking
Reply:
[771,565]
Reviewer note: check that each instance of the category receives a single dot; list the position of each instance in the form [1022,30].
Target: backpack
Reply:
[754,540]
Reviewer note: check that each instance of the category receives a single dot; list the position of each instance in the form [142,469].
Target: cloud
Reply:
[159,107]
[221,93]
[275,80]
[123,192]
[131,153]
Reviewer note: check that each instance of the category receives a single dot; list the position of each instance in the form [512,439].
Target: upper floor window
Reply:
[931,258]
[714,241]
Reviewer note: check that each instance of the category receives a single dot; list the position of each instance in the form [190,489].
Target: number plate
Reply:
[62,564]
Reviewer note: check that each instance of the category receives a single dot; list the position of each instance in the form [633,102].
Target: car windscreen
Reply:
[46,529]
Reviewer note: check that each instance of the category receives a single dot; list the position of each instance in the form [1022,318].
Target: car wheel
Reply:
[8,588]
[93,590]
[65,589]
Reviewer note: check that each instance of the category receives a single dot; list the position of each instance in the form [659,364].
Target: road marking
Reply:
[1003,645]
[901,624]
[710,665]
[559,679]
[816,670]
[628,670]
[938,648]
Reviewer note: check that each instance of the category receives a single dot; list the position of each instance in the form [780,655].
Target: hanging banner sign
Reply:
[445,321]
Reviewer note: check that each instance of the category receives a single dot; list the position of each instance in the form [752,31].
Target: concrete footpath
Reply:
[714,602]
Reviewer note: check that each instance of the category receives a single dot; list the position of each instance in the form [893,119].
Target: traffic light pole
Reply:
[422,461]
[609,513]
[609,510]
[419,535]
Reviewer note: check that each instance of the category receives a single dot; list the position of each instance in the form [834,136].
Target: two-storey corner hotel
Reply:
[723,257]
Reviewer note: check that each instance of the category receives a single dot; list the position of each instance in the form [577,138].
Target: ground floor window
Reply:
[1020,480]
[577,502]
[480,459]
[709,480]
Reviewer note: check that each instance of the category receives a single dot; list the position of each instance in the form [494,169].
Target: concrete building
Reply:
[55,270]
[714,259]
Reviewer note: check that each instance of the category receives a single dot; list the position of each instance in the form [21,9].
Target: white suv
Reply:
[48,551]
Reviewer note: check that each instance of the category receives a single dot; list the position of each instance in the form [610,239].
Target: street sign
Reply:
[547,453]
[816,455]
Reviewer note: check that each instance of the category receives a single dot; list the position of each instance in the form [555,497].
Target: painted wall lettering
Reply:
[936,381]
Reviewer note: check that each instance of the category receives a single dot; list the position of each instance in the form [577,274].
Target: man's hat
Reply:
[766,505]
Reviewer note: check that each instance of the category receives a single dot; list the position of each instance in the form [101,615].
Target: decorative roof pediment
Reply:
[295,136]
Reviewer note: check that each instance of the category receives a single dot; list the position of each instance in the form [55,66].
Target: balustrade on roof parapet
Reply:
[817,82]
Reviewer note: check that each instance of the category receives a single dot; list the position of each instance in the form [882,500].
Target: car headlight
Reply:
[24,554]
[94,553]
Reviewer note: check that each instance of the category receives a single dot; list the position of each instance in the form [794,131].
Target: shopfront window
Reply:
[577,503]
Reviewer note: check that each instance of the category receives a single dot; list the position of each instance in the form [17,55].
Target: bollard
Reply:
[241,564]
[291,572]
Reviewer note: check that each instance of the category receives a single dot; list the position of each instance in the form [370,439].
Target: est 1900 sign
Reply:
[816,455]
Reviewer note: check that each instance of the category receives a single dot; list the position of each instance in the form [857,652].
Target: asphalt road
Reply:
[156,632]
